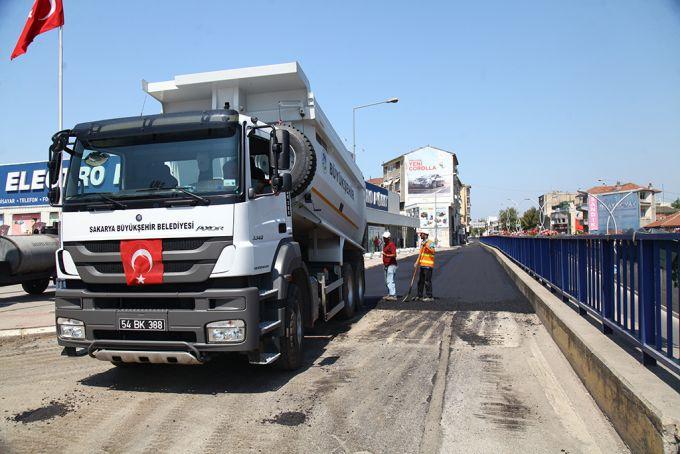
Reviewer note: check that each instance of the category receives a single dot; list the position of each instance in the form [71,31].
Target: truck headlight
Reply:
[226,331]
[70,328]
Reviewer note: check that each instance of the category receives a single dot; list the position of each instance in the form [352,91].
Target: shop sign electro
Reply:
[26,184]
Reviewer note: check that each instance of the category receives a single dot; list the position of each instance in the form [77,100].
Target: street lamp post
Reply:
[541,217]
[354,118]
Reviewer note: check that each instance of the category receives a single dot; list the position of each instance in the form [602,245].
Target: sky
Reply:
[531,95]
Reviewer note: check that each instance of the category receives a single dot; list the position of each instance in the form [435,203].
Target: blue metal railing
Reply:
[628,282]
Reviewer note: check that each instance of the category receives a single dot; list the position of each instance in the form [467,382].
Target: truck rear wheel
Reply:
[304,160]
[36,286]
[290,344]
[360,280]
[348,291]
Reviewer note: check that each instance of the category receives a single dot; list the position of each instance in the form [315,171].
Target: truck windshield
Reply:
[205,167]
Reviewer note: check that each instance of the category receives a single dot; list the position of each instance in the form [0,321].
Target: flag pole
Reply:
[61,80]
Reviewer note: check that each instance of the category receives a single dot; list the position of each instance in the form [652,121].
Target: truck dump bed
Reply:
[335,199]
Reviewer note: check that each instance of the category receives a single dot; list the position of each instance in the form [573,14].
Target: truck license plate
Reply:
[135,324]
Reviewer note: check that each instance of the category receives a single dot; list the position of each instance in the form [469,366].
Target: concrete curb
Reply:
[643,409]
[23,332]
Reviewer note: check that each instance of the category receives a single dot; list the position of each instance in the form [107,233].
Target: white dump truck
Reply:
[230,222]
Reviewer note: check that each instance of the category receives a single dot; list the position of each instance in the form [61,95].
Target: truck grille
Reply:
[169,244]
[148,304]
[185,260]
[117,267]
[174,288]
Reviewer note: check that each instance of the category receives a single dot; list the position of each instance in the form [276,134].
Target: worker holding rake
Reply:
[426,263]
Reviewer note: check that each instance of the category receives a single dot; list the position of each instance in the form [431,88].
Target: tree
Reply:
[676,203]
[508,219]
[530,219]
[477,231]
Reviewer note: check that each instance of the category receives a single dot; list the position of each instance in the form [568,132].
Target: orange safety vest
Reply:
[427,254]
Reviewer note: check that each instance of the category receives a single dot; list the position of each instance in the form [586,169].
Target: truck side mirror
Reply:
[59,144]
[282,183]
[54,165]
[53,195]
[280,149]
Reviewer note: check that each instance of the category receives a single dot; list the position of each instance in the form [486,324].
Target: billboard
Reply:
[431,218]
[627,212]
[26,184]
[428,172]
[426,216]
[376,197]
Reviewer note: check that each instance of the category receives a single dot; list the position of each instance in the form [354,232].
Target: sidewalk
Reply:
[372,259]
[22,314]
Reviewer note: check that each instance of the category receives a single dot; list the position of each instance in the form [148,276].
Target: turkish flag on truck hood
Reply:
[142,261]
[44,16]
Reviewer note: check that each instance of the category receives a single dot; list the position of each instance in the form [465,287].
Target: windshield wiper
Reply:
[111,200]
[183,190]
[201,199]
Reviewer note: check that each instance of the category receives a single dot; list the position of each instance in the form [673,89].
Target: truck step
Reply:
[265,359]
[338,307]
[268,294]
[268,326]
[330,287]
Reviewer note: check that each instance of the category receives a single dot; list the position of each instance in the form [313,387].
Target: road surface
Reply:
[473,371]
[20,310]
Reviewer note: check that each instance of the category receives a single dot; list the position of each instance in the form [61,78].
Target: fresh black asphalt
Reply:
[467,278]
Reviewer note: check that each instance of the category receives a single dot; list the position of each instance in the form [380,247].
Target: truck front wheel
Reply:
[290,344]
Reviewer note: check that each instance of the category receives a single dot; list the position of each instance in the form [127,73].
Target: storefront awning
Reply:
[379,217]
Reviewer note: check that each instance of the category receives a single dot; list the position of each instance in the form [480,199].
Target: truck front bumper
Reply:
[185,314]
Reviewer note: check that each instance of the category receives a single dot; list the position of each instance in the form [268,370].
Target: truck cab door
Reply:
[270,216]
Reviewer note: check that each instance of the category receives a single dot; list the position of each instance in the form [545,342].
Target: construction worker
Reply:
[389,256]
[426,263]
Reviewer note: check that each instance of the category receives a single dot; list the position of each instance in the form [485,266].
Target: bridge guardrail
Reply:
[628,282]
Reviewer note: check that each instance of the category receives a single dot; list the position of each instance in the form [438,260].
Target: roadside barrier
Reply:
[627,282]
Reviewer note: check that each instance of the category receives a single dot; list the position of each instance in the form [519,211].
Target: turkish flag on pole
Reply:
[44,16]
[142,261]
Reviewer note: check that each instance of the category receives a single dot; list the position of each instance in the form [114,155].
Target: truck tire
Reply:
[348,291]
[290,344]
[304,160]
[36,286]
[360,283]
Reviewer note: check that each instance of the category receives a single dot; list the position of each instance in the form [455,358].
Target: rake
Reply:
[413,278]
